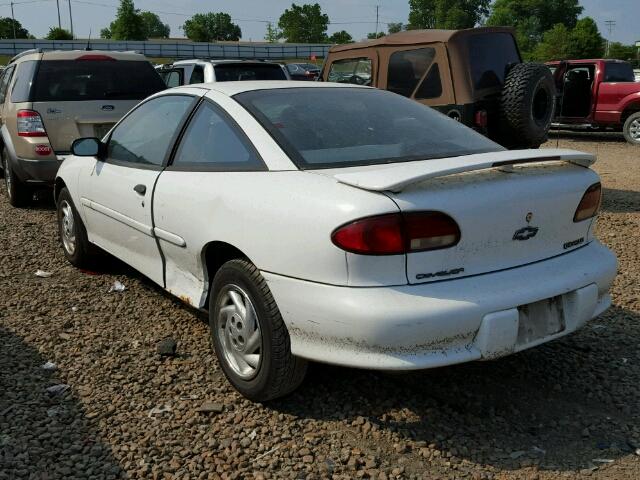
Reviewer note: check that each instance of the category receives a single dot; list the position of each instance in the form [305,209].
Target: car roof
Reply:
[411,37]
[217,62]
[74,54]
[232,88]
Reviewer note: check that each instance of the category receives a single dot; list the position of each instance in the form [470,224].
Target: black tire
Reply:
[631,129]
[278,372]
[84,255]
[527,106]
[18,193]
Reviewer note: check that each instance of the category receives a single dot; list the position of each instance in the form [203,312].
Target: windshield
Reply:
[73,80]
[341,127]
[248,71]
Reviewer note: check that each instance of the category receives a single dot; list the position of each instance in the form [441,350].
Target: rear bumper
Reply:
[36,171]
[442,323]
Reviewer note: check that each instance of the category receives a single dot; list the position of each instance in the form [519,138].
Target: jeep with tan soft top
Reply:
[475,76]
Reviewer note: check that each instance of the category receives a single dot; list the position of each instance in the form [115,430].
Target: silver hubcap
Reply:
[634,130]
[68,229]
[239,332]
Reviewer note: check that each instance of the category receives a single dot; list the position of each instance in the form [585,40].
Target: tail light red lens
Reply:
[30,124]
[590,203]
[95,57]
[481,118]
[397,233]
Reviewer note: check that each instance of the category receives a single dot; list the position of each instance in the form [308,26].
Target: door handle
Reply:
[141,189]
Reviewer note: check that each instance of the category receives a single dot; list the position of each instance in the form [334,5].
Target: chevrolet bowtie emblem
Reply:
[525,233]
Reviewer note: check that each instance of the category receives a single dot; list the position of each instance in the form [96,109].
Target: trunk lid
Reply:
[67,121]
[519,213]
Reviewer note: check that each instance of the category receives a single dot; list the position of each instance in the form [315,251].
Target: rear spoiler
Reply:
[397,176]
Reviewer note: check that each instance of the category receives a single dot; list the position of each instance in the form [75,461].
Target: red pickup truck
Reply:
[598,94]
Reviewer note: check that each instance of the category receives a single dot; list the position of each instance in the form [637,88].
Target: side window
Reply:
[351,70]
[197,76]
[406,68]
[212,142]
[4,83]
[173,78]
[24,80]
[145,135]
[619,72]
[431,86]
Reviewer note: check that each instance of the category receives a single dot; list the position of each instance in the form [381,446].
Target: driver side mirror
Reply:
[88,147]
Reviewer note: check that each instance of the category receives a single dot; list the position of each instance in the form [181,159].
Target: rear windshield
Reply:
[619,72]
[75,80]
[340,127]
[241,71]
[489,56]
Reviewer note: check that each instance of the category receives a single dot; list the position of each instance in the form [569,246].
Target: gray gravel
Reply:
[564,410]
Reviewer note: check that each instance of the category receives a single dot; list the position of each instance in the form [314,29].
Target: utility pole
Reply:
[13,23]
[71,19]
[610,25]
[59,22]
[377,12]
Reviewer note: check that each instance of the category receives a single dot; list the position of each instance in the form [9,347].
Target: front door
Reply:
[118,198]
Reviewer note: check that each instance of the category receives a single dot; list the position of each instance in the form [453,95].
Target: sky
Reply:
[355,16]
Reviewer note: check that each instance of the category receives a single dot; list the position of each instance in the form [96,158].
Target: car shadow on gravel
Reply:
[43,435]
[582,136]
[563,406]
[620,201]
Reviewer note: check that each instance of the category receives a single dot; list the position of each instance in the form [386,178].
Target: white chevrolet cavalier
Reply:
[339,224]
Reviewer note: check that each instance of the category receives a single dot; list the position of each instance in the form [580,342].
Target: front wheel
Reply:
[73,234]
[18,193]
[249,336]
[631,129]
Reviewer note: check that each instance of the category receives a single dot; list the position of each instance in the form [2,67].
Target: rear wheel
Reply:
[631,129]
[18,193]
[249,336]
[73,234]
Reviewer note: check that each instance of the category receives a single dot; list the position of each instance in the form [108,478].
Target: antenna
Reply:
[89,41]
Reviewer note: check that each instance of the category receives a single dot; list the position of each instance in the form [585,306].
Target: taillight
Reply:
[30,124]
[398,233]
[590,203]
[481,118]
[93,56]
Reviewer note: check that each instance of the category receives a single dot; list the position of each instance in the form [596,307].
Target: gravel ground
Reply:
[564,410]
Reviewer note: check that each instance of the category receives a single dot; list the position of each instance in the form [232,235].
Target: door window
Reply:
[24,80]
[431,86]
[213,142]
[351,70]
[406,69]
[144,137]
[619,72]
[4,83]
[197,76]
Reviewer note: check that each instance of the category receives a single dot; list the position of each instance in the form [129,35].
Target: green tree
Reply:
[154,26]
[450,14]
[128,24]
[341,37]
[273,34]
[585,40]
[212,27]
[57,33]
[555,44]
[304,24]
[374,35]
[395,27]
[7,27]
[622,52]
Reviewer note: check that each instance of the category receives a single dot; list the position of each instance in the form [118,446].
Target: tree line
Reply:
[545,30]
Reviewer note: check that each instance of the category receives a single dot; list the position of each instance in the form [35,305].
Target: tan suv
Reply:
[48,99]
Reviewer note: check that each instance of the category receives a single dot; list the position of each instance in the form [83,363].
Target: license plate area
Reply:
[540,319]
[101,129]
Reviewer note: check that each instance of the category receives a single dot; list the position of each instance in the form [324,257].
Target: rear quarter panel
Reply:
[614,98]
[282,221]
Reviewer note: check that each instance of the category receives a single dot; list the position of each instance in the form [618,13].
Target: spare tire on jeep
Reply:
[526,106]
